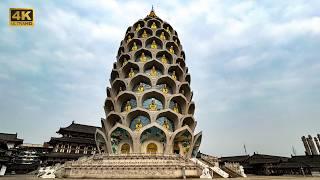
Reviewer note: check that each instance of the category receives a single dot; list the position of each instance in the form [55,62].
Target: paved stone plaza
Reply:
[29,177]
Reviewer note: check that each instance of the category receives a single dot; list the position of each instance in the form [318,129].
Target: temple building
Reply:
[8,150]
[76,140]
[30,157]
[149,129]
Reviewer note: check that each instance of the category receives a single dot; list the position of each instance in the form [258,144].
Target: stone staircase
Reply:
[214,171]
[144,166]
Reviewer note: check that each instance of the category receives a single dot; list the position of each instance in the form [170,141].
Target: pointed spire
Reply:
[152,13]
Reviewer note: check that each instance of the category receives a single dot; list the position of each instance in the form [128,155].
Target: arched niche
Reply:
[120,136]
[130,66]
[142,55]
[168,28]
[153,135]
[135,113]
[153,68]
[129,37]
[166,123]
[153,101]
[176,40]
[128,30]
[157,18]
[138,23]
[185,90]
[140,83]
[166,82]
[174,46]
[157,23]
[178,104]
[117,86]
[124,99]
[137,42]
[175,33]
[157,41]
[169,116]
[196,144]
[182,142]
[108,106]
[181,63]
[139,122]
[147,18]
[108,92]
[114,75]
[112,119]
[183,55]
[191,108]
[189,121]
[164,32]
[188,78]
[174,69]
[123,59]
[120,50]
[101,141]
[147,30]
[114,65]
[160,55]
[103,125]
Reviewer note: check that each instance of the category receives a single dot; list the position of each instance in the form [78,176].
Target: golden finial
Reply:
[152,13]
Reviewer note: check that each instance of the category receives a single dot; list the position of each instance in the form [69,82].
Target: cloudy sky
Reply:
[255,68]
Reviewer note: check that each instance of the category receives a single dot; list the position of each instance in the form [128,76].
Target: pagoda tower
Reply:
[149,106]
[149,127]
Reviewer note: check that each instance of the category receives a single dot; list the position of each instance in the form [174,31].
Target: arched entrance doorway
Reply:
[152,148]
[125,148]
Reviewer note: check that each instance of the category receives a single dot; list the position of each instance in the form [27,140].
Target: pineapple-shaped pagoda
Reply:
[149,127]
[149,106]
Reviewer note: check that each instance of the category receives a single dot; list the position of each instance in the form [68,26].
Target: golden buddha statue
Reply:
[138,27]
[128,106]
[120,89]
[125,61]
[144,34]
[134,47]
[140,88]
[176,108]
[153,72]
[139,125]
[131,73]
[174,77]
[171,50]
[143,57]
[162,36]
[129,39]
[165,90]
[168,30]
[164,59]
[166,124]
[154,26]
[154,45]
[182,91]
[153,106]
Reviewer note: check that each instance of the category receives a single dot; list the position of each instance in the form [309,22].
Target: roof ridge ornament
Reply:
[152,13]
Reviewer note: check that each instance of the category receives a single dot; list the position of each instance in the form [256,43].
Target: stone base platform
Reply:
[135,166]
